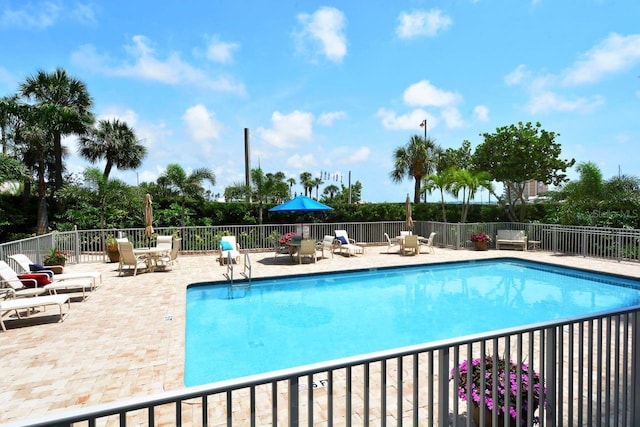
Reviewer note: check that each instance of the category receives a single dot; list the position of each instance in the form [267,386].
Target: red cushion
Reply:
[42,278]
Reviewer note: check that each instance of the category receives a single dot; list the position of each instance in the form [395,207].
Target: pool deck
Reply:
[127,338]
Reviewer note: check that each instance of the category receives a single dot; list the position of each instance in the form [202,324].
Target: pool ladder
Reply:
[246,272]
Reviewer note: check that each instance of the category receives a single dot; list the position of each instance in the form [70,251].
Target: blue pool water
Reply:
[286,322]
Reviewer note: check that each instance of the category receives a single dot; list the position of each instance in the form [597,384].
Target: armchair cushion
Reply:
[343,240]
[38,268]
[225,246]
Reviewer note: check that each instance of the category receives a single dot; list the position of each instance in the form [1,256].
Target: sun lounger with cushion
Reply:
[16,304]
[347,245]
[26,265]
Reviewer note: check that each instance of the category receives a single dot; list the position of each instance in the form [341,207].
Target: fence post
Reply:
[293,402]
[550,375]
[443,386]
[635,370]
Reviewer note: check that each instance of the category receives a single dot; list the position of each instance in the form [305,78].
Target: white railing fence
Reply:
[88,245]
[588,367]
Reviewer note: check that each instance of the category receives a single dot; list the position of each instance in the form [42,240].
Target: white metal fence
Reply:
[588,367]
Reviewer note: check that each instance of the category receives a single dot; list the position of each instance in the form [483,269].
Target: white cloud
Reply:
[288,130]
[613,54]
[452,117]
[481,113]
[348,156]
[424,94]
[420,23]
[202,124]
[323,29]
[303,162]
[32,16]
[219,51]
[411,121]
[327,119]
[84,14]
[146,65]
[548,101]
[516,76]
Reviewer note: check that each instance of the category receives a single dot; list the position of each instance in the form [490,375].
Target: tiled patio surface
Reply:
[127,339]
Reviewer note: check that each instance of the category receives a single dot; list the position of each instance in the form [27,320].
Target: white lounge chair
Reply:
[347,245]
[429,243]
[17,304]
[11,283]
[229,246]
[164,243]
[25,263]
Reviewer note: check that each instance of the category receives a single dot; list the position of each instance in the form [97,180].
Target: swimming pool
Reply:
[286,322]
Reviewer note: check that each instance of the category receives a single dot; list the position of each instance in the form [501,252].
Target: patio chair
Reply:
[328,243]
[29,304]
[229,247]
[170,258]
[28,266]
[307,248]
[391,242]
[411,244]
[428,243]
[129,259]
[164,243]
[347,245]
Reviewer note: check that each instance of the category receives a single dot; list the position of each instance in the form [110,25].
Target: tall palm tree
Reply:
[417,159]
[331,190]
[187,185]
[115,142]
[291,182]
[305,179]
[317,182]
[469,182]
[73,104]
[442,182]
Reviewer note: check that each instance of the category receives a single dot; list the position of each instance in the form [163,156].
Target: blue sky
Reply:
[337,86]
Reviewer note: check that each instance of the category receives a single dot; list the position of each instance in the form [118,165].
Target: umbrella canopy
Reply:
[301,204]
[148,215]
[408,212]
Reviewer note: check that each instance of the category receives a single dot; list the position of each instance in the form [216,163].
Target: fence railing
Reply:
[587,368]
[88,245]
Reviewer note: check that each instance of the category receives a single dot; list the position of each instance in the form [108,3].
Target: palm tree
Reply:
[291,182]
[317,182]
[330,190]
[469,182]
[441,182]
[305,180]
[72,103]
[115,142]
[187,185]
[417,159]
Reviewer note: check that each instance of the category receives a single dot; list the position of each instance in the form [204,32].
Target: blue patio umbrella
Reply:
[301,204]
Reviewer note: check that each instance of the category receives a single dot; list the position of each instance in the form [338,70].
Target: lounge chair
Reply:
[307,248]
[229,247]
[16,304]
[129,259]
[170,258]
[411,244]
[347,245]
[391,242]
[329,244]
[428,243]
[25,263]
[12,284]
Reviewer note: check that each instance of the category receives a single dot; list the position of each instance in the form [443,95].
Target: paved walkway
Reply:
[127,339]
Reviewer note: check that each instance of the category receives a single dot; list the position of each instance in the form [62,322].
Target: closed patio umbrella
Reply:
[148,216]
[408,212]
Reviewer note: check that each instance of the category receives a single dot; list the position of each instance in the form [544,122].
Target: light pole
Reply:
[423,124]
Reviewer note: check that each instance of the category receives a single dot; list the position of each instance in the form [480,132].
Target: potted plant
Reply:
[508,375]
[111,246]
[481,241]
[285,239]
[55,257]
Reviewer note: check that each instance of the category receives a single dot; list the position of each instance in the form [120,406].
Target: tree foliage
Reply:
[415,160]
[514,155]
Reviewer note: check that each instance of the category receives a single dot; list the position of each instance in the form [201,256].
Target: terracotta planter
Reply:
[114,256]
[488,421]
[481,246]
